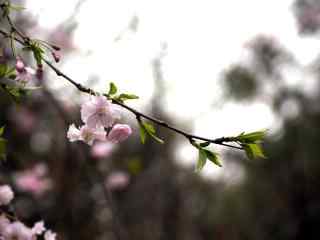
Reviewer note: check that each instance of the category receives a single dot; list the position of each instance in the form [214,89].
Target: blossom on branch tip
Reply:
[119,133]
[86,134]
[99,112]
[6,194]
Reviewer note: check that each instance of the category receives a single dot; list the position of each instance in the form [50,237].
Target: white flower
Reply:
[73,133]
[49,235]
[6,194]
[99,112]
[17,231]
[86,134]
[38,228]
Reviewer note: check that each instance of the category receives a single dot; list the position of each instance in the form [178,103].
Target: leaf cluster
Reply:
[112,94]
[251,143]
[147,129]
[204,155]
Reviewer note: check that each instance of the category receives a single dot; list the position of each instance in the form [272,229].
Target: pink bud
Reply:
[119,133]
[39,72]
[56,56]
[55,47]
[20,67]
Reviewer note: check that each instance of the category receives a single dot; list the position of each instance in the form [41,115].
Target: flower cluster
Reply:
[15,229]
[99,114]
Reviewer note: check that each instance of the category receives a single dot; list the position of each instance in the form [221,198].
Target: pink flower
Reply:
[99,112]
[86,134]
[34,180]
[119,133]
[20,67]
[101,149]
[26,75]
[49,235]
[6,194]
[117,180]
[38,228]
[4,222]
[17,230]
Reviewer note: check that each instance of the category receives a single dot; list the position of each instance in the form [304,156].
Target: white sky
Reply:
[203,37]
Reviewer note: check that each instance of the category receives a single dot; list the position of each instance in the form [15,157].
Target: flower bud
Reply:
[119,133]
[56,56]
[39,72]
[55,47]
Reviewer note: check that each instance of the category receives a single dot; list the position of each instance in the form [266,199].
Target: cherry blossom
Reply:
[119,133]
[99,112]
[6,194]
[86,134]
[38,228]
[49,235]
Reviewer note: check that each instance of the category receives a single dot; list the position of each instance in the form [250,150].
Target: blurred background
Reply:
[211,68]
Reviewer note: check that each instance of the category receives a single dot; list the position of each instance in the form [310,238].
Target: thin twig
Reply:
[219,141]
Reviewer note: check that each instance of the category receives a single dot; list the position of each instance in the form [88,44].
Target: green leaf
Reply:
[112,89]
[252,137]
[143,134]
[10,71]
[253,150]
[213,157]
[3,144]
[125,96]
[16,7]
[202,159]
[204,144]
[37,52]
[3,70]
[150,130]
[1,130]
[159,140]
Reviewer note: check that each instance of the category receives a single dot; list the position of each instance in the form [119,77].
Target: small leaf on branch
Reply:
[125,96]
[143,134]
[147,128]
[213,157]
[252,137]
[253,150]
[112,89]
[204,144]
[202,159]
[37,52]
[2,130]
